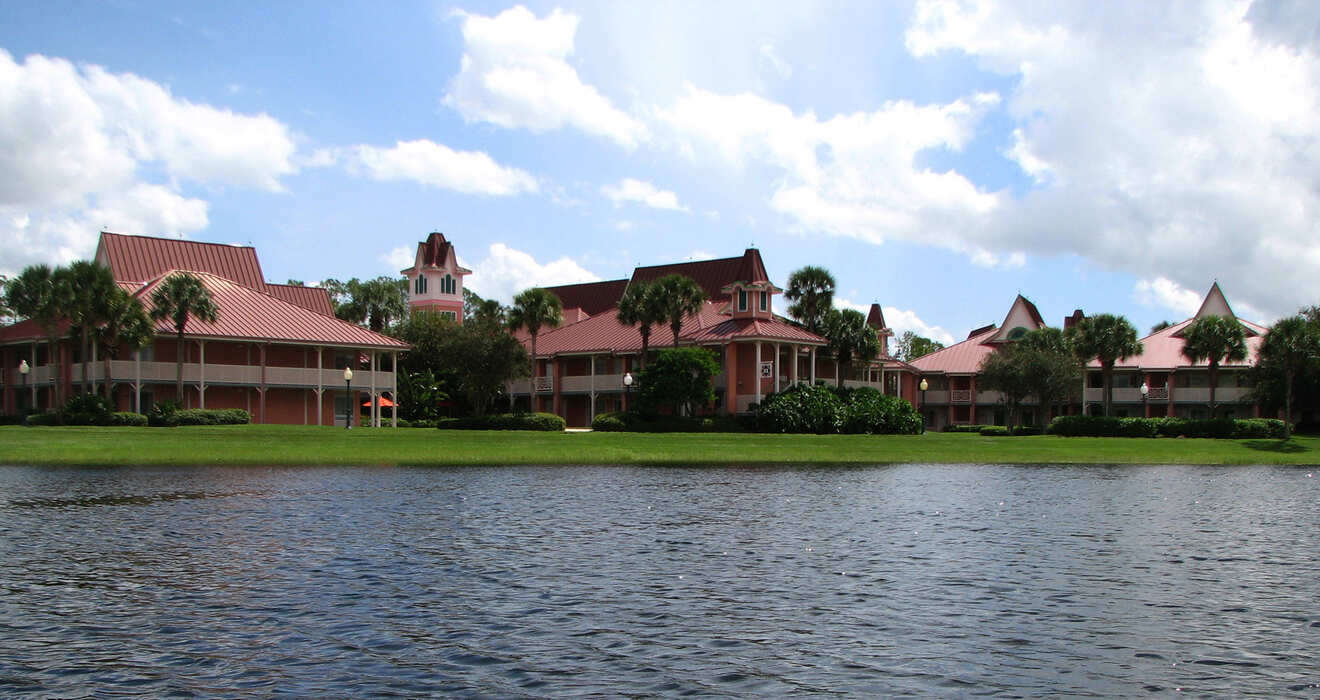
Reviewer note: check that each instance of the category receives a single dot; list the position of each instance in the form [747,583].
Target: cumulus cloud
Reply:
[1176,142]
[1163,293]
[769,57]
[515,74]
[639,192]
[435,165]
[74,141]
[854,174]
[506,271]
[399,258]
[900,321]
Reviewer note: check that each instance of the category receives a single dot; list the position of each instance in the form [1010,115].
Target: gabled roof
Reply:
[248,314]
[310,298]
[1215,304]
[591,297]
[1162,350]
[143,258]
[1022,314]
[712,275]
[875,318]
[959,358]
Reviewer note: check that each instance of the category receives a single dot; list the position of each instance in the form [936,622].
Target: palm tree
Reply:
[91,285]
[1107,338]
[1214,339]
[676,298]
[42,294]
[126,328]
[850,338]
[177,297]
[374,302]
[1291,345]
[640,307]
[811,289]
[532,309]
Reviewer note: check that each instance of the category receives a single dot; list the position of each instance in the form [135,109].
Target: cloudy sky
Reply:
[938,157]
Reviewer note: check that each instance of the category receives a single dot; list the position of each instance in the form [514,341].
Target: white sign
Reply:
[767,370]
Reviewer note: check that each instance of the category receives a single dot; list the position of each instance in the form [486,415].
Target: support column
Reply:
[320,388]
[32,406]
[375,401]
[731,378]
[971,401]
[201,374]
[793,376]
[394,390]
[556,374]
[262,403]
[137,381]
[756,372]
[813,365]
[1145,379]
[591,409]
[1169,383]
[777,387]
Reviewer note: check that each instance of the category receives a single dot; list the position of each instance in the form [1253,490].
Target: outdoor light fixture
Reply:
[1145,390]
[924,385]
[348,398]
[23,369]
[627,388]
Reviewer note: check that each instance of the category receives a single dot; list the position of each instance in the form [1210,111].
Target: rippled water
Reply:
[923,580]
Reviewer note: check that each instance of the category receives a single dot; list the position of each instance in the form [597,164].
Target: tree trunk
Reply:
[1287,405]
[1214,380]
[646,343]
[531,391]
[178,370]
[1107,372]
[86,350]
[676,327]
[108,398]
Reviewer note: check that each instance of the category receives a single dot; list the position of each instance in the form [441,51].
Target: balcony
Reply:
[935,396]
[240,375]
[960,396]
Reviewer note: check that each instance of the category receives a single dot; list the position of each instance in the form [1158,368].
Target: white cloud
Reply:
[506,271]
[701,255]
[852,175]
[399,258]
[436,165]
[1166,294]
[74,141]
[1176,142]
[767,55]
[900,321]
[630,190]
[515,74]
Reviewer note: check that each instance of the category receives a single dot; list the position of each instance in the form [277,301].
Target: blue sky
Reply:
[938,157]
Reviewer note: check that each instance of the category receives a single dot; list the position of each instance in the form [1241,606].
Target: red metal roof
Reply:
[1162,350]
[143,258]
[712,275]
[248,314]
[591,297]
[960,358]
[310,298]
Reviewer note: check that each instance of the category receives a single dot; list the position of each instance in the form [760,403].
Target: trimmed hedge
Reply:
[827,410]
[40,419]
[643,423]
[505,421]
[994,430]
[1220,428]
[207,416]
[611,422]
[128,419]
[951,428]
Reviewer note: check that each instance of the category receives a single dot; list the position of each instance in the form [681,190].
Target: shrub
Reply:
[802,409]
[41,419]
[1259,428]
[1220,428]
[868,411]
[86,409]
[1028,430]
[11,420]
[505,421]
[609,423]
[162,414]
[994,430]
[128,419]
[1084,426]
[206,416]
[965,428]
[1140,427]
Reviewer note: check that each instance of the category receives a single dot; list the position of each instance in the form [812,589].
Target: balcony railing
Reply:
[544,384]
[1158,393]
[960,396]
[249,375]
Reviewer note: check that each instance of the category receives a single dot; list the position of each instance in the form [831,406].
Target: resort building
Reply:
[435,281]
[1174,386]
[275,350]
[581,366]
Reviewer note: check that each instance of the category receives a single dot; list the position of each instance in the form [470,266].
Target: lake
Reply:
[563,581]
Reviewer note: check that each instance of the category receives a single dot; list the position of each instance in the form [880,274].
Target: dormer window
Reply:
[742,299]
[447,285]
[763,297]
[419,285]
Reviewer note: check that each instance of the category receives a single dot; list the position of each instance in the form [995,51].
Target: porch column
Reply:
[971,400]
[1169,384]
[812,358]
[32,383]
[394,390]
[756,372]
[1145,379]
[777,387]
[950,395]
[262,403]
[375,413]
[731,378]
[556,375]
[320,389]
[201,374]
[793,376]
[592,408]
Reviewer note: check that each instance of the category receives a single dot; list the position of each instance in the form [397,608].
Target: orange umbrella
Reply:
[384,402]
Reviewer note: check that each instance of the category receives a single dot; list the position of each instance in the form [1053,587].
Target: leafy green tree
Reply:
[7,315]
[811,289]
[179,296]
[483,362]
[640,306]
[90,285]
[1292,345]
[1214,339]
[680,380]
[677,297]
[447,361]
[374,303]
[41,295]
[534,309]
[1006,371]
[486,311]
[850,339]
[1161,326]
[1054,373]
[1108,339]
[126,328]
[911,346]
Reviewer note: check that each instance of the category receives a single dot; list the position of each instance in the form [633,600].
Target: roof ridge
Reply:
[176,240]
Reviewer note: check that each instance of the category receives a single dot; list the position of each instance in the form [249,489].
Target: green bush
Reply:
[802,409]
[1140,427]
[11,419]
[1259,428]
[1085,426]
[207,416]
[1028,430]
[505,421]
[1219,428]
[994,430]
[162,414]
[86,409]
[128,419]
[39,419]
[965,428]
[868,411]
[609,422]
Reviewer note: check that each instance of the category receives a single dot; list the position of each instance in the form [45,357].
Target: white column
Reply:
[592,408]
[201,374]
[375,402]
[812,359]
[757,372]
[320,390]
[137,383]
[777,387]
[394,390]
[793,353]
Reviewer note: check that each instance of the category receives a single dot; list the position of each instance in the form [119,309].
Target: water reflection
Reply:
[928,580]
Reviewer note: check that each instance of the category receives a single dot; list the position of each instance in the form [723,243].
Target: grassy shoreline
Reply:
[268,445]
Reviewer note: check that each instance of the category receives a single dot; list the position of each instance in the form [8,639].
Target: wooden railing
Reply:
[960,396]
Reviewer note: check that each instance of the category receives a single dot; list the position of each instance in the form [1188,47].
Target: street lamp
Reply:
[1145,409]
[23,369]
[348,398]
[924,385]
[627,389]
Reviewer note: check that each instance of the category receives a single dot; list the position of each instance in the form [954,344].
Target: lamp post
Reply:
[1145,409]
[924,385]
[627,389]
[348,398]
[23,370]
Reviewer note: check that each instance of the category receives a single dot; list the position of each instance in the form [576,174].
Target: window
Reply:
[742,299]
[449,315]
[447,285]
[1017,333]
[419,285]
[763,296]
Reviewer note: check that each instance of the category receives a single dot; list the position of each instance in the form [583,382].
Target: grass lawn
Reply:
[300,445]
